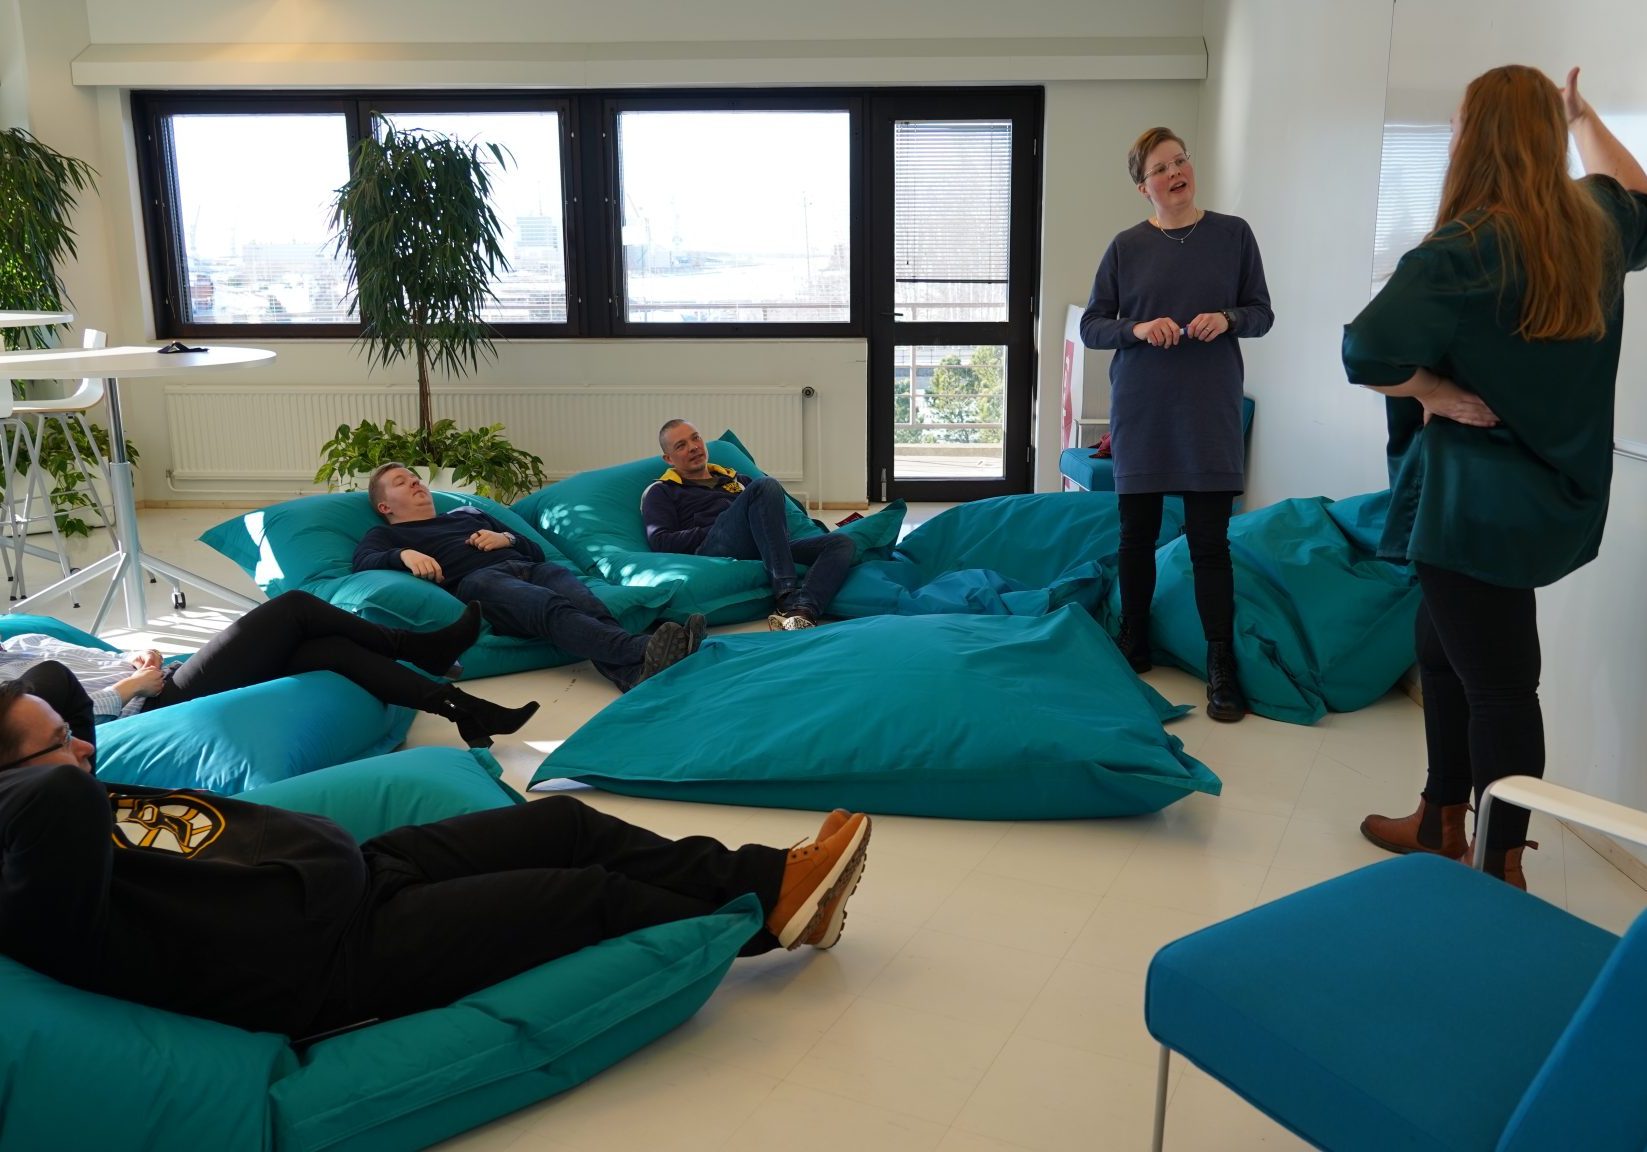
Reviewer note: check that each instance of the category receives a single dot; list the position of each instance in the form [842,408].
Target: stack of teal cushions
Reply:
[78,1070]
[236,740]
[977,717]
[596,517]
[1011,555]
[1321,624]
[309,543]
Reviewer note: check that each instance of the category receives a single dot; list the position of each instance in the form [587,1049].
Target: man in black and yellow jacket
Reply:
[704,509]
[279,921]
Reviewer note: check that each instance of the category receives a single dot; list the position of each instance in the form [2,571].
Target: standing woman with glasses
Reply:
[1497,342]
[1171,296]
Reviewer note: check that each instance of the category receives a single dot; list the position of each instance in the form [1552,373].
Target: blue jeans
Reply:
[546,602]
[754,527]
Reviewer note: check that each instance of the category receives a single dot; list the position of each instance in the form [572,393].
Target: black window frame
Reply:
[591,197]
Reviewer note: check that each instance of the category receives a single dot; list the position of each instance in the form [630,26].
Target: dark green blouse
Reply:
[1522,504]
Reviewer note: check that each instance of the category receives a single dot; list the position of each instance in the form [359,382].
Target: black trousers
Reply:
[1479,663]
[1207,524]
[296,632]
[463,903]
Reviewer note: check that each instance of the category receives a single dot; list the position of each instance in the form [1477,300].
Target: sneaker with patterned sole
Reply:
[817,877]
[668,645]
[833,921]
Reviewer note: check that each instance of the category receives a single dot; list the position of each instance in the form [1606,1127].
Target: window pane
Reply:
[952,218]
[949,405]
[254,200]
[735,217]
[527,196]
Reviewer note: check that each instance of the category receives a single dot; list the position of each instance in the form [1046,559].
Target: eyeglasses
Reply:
[1179,161]
[64,736]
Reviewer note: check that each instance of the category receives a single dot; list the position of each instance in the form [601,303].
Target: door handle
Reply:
[892,315]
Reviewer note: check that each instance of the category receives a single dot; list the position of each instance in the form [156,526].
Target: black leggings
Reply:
[1207,524]
[296,632]
[1479,663]
[463,903]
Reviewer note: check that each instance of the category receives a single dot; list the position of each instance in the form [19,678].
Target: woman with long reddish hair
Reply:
[1497,343]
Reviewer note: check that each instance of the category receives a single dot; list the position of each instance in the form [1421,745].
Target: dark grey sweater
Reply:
[1175,413]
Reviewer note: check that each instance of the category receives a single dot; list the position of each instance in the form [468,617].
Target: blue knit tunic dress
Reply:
[1175,412]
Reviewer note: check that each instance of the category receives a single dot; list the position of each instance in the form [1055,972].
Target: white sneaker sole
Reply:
[805,919]
[831,934]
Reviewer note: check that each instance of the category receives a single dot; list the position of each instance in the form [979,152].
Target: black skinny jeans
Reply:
[1479,663]
[296,632]
[1207,524]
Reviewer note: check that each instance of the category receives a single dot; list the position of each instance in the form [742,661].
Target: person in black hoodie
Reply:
[475,558]
[278,921]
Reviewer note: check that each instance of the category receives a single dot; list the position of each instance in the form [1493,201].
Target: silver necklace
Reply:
[1161,229]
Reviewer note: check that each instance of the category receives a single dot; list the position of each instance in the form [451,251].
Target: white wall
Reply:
[1292,114]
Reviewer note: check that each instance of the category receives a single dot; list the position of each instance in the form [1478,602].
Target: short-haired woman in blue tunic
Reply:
[1171,297]
[1497,341]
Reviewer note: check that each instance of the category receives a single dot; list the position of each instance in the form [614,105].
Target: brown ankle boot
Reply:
[1435,828]
[1505,863]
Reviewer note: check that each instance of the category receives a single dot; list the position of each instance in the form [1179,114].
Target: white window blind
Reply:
[953,218]
[1410,174]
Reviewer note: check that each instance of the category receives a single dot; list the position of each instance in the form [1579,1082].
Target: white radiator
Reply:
[246,434]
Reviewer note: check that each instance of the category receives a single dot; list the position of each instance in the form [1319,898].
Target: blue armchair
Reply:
[1418,1004]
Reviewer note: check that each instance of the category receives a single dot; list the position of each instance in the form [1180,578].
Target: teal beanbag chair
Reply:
[596,517]
[991,717]
[21,624]
[78,1070]
[256,735]
[310,543]
[1010,555]
[1321,624]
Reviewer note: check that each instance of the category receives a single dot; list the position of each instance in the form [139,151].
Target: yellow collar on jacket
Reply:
[670,476]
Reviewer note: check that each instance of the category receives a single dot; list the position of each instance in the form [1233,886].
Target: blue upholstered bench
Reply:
[1082,467]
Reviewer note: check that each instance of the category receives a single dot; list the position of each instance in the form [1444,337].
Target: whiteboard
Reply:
[1439,46]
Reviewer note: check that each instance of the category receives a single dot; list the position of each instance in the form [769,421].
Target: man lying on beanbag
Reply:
[276,921]
[707,510]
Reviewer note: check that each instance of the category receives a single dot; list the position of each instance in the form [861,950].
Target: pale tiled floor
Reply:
[987,994]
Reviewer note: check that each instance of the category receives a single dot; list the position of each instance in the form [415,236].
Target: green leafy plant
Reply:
[39,188]
[478,456]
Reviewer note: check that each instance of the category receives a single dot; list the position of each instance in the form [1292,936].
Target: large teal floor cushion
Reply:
[309,543]
[1010,555]
[251,736]
[1321,624]
[596,518]
[992,717]
[84,1071]
[22,624]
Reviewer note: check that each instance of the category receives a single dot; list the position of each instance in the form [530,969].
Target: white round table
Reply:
[33,319]
[128,561]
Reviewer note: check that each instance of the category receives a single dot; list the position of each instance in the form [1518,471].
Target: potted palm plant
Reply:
[39,188]
[422,242]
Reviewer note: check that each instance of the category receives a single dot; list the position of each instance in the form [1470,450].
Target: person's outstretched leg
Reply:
[1140,514]
[465,902]
[263,644]
[477,720]
[547,602]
